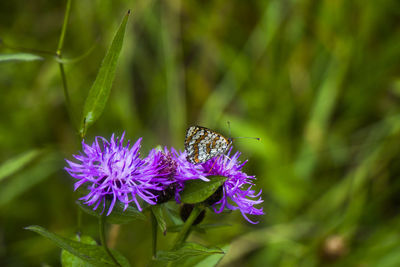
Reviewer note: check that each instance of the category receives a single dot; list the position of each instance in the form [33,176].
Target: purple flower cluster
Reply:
[113,171]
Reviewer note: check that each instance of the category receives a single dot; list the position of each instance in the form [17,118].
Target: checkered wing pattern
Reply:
[202,144]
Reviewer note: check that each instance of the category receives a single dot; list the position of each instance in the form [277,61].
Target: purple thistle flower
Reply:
[175,167]
[113,171]
[186,170]
[237,188]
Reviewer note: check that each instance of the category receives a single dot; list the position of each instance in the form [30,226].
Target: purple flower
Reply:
[237,188]
[174,166]
[113,171]
[186,170]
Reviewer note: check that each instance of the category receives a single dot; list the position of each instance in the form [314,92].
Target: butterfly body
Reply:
[203,144]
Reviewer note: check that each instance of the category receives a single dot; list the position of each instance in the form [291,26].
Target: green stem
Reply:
[154,226]
[64,28]
[183,234]
[64,82]
[103,239]
[60,64]
[79,221]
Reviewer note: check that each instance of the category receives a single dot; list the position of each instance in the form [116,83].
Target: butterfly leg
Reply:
[213,164]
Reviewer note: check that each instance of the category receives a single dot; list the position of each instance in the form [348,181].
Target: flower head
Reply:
[237,189]
[175,168]
[113,171]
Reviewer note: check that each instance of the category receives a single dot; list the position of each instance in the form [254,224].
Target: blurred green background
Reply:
[317,81]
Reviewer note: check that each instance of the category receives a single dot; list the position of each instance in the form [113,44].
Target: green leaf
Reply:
[203,260]
[117,216]
[14,164]
[45,166]
[158,213]
[70,260]
[19,57]
[92,254]
[197,191]
[187,250]
[98,94]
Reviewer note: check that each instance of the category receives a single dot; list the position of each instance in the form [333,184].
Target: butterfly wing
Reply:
[202,144]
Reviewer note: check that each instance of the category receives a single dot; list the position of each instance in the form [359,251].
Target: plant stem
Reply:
[60,64]
[154,228]
[183,234]
[64,28]
[79,221]
[103,239]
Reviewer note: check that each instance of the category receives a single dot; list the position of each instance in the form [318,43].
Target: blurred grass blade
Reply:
[90,253]
[30,177]
[98,94]
[13,165]
[19,57]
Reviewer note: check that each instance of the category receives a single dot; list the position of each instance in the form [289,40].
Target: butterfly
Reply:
[203,144]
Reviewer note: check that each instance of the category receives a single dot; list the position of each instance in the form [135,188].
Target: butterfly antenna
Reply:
[257,138]
[232,138]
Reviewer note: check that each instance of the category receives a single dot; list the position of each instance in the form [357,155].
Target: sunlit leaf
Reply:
[92,254]
[16,163]
[117,216]
[202,260]
[187,250]
[100,90]
[19,57]
[70,260]
[196,191]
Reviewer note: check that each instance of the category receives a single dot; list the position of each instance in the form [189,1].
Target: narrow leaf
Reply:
[117,216]
[92,254]
[98,94]
[14,164]
[187,250]
[196,191]
[158,213]
[19,57]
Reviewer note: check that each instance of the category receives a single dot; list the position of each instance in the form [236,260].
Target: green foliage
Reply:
[88,252]
[119,215]
[41,170]
[196,191]
[157,211]
[317,81]
[15,164]
[101,88]
[187,250]
[69,259]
